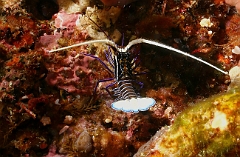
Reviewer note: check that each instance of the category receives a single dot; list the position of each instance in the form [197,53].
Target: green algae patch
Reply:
[209,128]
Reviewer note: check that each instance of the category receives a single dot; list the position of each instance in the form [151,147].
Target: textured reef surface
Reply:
[48,105]
[209,128]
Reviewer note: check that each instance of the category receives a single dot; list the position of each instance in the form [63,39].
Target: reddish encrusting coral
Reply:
[26,139]
[22,75]
[17,32]
[169,104]
[71,73]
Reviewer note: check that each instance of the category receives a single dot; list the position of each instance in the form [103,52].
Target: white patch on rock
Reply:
[219,121]
[236,50]
[234,74]
[206,22]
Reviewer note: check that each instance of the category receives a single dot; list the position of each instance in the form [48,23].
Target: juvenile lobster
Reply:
[127,99]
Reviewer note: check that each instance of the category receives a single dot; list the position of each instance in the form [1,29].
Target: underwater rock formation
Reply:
[208,128]
[48,105]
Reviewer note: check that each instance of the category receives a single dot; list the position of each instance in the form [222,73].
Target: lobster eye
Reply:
[134,104]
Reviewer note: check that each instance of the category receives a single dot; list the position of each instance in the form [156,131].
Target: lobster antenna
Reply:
[106,41]
[150,42]
[98,27]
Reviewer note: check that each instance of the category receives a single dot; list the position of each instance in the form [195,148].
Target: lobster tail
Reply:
[125,90]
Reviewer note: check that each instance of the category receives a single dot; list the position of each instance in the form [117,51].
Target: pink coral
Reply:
[66,25]
[71,73]
[52,152]
[64,20]
[48,41]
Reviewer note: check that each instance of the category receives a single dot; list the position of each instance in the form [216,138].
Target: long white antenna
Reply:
[139,41]
[106,41]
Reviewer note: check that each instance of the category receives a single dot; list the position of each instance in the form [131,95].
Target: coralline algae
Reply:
[209,128]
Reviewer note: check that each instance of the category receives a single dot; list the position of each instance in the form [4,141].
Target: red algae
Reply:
[66,73]
[17,32]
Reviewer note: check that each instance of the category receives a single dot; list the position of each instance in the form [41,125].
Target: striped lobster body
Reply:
[124,90]
[123,73]
[127,99]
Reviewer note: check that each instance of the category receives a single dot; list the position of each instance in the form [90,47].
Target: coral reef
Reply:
[48,105]
[209,128]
